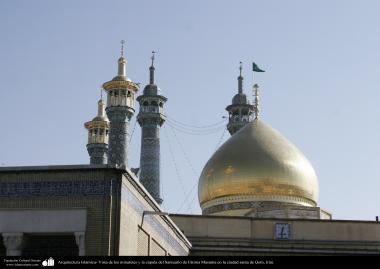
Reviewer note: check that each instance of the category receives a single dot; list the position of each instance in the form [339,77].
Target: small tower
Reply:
[240,111]
[98,128]
[120,108]
[151,117]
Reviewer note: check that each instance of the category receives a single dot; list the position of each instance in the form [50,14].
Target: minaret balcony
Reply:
[151,109]
[98,137]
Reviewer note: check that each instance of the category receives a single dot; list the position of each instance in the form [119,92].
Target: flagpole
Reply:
[253,92]
[255,89]
[253,84]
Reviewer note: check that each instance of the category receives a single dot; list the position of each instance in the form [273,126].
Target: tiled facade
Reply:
[102,191]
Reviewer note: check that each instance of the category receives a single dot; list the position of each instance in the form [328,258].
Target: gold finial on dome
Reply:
[256,104]
[255,68]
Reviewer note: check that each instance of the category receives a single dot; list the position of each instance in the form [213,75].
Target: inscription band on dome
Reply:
[221,205]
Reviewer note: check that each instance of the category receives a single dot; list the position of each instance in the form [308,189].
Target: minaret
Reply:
[240,111]
[151,117]
[120,108]
[98,128]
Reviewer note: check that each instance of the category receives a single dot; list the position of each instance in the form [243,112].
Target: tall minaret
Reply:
[98,128]
[240,111]
[120,108]
[151,117]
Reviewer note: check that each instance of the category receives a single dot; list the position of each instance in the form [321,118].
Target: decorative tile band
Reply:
[56,188]
[245,205]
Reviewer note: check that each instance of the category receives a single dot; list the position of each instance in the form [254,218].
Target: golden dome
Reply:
[257,164]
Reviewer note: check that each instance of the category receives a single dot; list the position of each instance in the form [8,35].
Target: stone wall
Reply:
[217,235]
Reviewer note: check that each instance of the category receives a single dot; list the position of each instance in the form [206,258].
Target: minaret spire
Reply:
[122,48]
[151,69]
[122,62]
[152,58]
[240,79]
[101,107]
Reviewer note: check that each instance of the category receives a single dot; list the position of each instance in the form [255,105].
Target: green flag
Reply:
[255,68]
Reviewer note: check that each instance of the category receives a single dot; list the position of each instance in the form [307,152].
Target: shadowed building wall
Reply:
[95,209]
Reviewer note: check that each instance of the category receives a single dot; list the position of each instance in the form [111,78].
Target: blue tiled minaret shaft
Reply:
[240,112]
[120,109]
[151,117]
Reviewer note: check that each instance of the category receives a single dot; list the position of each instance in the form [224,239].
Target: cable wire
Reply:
[196,132]
[191,167]
[183,151]
[197,129]
[133,131]
[220,139]
[186,197]
[194,126]
[174,163]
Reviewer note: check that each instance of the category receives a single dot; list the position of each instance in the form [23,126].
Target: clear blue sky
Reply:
[321,88]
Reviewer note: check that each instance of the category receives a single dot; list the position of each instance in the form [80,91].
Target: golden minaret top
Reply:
[121,81]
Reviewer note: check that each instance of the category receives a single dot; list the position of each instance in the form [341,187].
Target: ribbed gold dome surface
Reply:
[257,164]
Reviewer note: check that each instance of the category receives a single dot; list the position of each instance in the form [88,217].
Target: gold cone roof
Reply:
[257,164]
